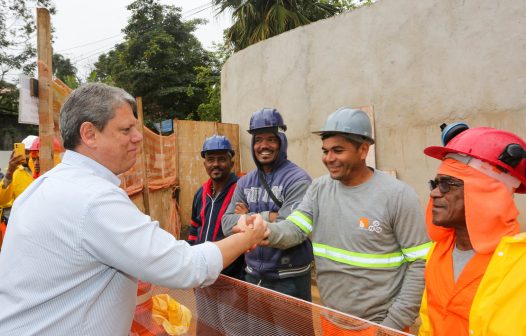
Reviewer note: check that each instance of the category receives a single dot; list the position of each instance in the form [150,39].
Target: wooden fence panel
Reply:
[191,173]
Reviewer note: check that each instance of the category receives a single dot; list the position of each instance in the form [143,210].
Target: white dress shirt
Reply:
[74,249]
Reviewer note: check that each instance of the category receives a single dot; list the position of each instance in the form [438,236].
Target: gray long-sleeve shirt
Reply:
[370,244]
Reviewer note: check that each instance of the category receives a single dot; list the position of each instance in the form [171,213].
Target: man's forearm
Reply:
[228,222]
[285,234]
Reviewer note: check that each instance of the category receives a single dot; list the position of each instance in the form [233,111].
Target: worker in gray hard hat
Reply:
[367,230]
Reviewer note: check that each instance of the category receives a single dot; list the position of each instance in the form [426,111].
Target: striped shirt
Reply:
[73,252]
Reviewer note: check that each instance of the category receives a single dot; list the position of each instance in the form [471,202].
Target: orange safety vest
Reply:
[490,215]
[449,303]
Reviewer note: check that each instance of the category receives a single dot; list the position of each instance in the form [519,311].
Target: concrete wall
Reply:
[419,63]
[4,160]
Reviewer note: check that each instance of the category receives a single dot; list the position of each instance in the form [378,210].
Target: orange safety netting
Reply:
[60,92]
[160,169]
[234,307]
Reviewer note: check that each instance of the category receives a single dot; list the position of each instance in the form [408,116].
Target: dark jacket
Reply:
[205,224]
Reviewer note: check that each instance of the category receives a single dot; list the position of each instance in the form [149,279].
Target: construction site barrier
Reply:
[234,307]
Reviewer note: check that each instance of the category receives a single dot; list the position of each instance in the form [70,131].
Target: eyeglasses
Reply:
[444,185]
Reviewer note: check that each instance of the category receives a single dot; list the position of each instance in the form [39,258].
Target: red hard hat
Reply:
[36,145]
[489,145]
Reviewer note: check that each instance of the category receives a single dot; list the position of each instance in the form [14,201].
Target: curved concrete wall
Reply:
[419,63]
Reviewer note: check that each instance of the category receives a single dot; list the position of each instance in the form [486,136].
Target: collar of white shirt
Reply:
[78,160]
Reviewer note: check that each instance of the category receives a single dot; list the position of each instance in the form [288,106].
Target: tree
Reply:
[158,61]
[9,99]
[64,70]
[210,76]
[17,25]
[256,20]
[17,53]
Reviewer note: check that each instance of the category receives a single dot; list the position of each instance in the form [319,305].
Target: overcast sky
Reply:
[84,29]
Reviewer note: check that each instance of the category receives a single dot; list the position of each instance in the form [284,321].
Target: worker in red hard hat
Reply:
[18,177]
[34,153]
[475,277]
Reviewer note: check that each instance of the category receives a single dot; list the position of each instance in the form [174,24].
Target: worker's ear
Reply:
[88,134]
[364,149]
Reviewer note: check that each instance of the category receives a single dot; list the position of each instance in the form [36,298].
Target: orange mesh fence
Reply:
[234,307]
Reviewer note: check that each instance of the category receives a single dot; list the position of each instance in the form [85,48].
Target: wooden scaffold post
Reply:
[45,94]
[146,188]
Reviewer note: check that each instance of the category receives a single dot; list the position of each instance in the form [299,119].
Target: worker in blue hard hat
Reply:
[212,198]
[272,189]
[208,207]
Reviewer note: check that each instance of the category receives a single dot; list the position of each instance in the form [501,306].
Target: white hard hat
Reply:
[28,141]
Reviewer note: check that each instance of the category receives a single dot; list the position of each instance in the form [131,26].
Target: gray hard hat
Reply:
[349,121]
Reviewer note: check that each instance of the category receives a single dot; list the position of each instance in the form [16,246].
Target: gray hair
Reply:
[95,103]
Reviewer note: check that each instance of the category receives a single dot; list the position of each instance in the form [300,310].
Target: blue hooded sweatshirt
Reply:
[288,183]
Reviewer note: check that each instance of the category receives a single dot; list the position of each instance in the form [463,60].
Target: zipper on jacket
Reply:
[210,218]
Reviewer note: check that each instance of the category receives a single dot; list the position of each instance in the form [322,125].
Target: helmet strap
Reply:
[490,170]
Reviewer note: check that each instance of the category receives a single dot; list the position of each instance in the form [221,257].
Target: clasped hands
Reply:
[253,222]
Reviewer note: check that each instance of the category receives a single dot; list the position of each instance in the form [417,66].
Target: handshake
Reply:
[255,227]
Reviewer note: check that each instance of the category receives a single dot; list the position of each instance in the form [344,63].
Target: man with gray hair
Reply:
[367,229]
[76,244]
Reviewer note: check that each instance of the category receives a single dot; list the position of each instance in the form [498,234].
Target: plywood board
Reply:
[160,206]
[190,138]
[231,131]
[371,157]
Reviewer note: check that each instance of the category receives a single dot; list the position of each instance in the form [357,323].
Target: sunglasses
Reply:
[444,185]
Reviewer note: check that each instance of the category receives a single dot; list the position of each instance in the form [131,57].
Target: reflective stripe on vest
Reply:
[367,260]
[301,221]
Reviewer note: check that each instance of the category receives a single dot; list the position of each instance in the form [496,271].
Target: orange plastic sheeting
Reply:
[161,164]
[234,307]
[60,92]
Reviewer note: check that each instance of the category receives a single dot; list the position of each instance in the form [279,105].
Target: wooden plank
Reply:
[190,138]
[191,173]
[45,94]
[371,156]
[231,131]
[145,190]
[160,207]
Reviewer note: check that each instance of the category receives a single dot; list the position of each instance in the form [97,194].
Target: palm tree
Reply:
[257,20]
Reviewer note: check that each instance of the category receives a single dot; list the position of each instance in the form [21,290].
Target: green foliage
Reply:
[17,25]
[347,5]
[256,20]
[158,61]
[211,109]
[8,98]
[65,71]
[210,77]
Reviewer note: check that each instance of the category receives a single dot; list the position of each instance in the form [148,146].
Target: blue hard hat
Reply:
[266,118]
[217,143]
[452,130]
